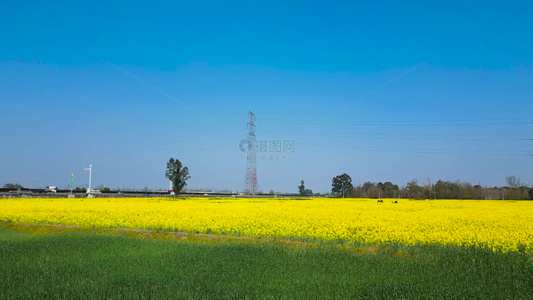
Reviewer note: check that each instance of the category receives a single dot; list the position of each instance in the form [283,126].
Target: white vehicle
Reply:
[51,189]
[95,192]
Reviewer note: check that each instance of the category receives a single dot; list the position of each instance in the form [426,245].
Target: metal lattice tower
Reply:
[251,159]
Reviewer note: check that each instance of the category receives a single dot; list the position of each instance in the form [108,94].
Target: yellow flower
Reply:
[497,225]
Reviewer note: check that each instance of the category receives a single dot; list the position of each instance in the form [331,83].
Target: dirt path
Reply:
[194,237]
[43,229]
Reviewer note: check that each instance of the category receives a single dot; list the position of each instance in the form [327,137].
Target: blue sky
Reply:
[381,90]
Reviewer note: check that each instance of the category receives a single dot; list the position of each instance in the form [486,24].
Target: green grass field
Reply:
[85,265]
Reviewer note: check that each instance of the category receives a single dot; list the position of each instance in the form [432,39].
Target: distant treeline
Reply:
[443,190]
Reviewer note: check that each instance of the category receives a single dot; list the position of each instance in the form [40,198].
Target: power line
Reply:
[404,123]
[419,150]
[400,136]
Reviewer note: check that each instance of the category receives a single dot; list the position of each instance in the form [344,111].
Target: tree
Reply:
[13,186]
[301,188]
[530,193]
[271,192]
[370,190]
[177,174]
[390,190]
[512,182]
[341,185]
[415,191]
[308,192]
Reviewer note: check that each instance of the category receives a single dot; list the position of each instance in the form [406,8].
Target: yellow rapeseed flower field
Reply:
[498,225]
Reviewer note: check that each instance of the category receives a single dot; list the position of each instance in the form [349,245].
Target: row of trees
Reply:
[342,187]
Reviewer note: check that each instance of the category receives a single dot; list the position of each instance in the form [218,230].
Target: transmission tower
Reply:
[251,160]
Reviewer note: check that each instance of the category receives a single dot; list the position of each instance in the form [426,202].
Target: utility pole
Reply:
[251,159]
[71,185]
[90,169]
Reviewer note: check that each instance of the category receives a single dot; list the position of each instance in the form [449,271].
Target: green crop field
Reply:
[90,265]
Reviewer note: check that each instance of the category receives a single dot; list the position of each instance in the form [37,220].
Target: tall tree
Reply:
[341,185]
[177,174]
[512,182]
[301,188]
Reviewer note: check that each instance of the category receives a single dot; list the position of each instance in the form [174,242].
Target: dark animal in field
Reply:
[395,201]
[380,201]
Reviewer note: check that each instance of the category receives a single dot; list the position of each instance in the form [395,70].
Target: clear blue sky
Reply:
[381,90]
